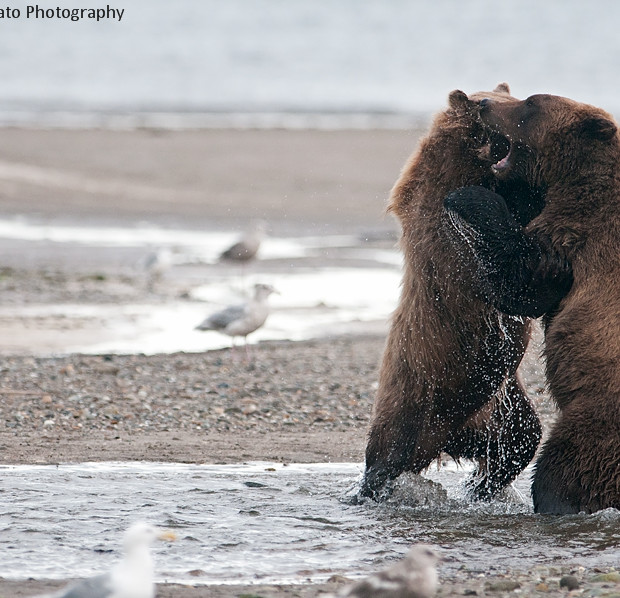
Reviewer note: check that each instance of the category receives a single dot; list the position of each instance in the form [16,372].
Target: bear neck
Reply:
[446,160]
[581,216]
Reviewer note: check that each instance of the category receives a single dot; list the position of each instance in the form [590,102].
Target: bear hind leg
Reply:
[578,467]
[549,493]
[502,445]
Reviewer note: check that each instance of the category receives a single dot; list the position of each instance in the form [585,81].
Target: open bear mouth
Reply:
[500,152]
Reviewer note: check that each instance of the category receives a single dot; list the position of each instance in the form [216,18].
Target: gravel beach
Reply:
[306,401]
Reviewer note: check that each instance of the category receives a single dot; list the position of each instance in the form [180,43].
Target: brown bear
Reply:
[565,263]
[448,376]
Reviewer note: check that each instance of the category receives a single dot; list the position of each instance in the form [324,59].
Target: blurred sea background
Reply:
[298,63]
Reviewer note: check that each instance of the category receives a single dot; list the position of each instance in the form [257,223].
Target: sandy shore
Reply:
[295,402]
[299,181]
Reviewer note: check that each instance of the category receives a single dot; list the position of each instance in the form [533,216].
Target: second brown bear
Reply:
[448,377]
[566,265]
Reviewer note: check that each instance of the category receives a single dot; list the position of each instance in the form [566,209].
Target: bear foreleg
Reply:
[518,273]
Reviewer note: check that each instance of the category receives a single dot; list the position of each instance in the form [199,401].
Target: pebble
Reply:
[284,388]
[613,577]
[503,585]
[570,582]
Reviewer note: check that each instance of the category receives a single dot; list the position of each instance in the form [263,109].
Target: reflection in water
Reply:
[272,522]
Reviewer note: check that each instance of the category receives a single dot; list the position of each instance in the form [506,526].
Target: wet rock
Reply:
[412,490]
[502,585]
[197,573]
[339,579]
[570,582]
[611,577]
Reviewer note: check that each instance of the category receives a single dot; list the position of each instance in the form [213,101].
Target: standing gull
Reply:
[247,246]
[241,320]
[415,576]
[132,577]
[156,264]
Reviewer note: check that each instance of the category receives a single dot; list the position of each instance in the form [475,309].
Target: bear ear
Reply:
[458,99]
[598,127]
[502,88]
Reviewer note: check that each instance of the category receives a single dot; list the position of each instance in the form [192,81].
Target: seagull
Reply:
[246,248]
[415,576]
[156,264]
[241,320]
[132,577]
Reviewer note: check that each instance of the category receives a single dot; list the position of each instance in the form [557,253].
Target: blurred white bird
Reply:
[241,320]
[156,264]
[415,576]
[247,246]
[132,577]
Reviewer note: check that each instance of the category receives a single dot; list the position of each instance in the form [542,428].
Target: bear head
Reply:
[551,140]
[461,102]
[492,147]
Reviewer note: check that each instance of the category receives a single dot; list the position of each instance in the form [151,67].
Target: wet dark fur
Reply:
[448,377]
[528,279]
[568,266]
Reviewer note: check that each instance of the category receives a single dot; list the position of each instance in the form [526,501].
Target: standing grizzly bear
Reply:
[448,377]
[573,151]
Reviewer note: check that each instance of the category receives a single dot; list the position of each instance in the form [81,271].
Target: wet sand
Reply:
[207,407]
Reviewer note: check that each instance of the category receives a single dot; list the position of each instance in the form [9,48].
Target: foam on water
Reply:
[269,522]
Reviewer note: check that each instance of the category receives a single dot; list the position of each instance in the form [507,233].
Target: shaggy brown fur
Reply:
[573,151]
[448,378]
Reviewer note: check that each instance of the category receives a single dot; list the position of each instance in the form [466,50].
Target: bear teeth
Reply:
[503,163]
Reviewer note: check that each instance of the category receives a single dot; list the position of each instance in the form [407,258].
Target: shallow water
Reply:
[260,522]
[355,290]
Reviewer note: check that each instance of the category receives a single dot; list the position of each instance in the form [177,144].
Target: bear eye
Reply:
[530,102]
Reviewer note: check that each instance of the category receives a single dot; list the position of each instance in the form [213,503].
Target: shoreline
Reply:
[547,580]
[192,407]
[199,120]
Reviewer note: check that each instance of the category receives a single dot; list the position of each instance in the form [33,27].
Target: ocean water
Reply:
[297,63]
